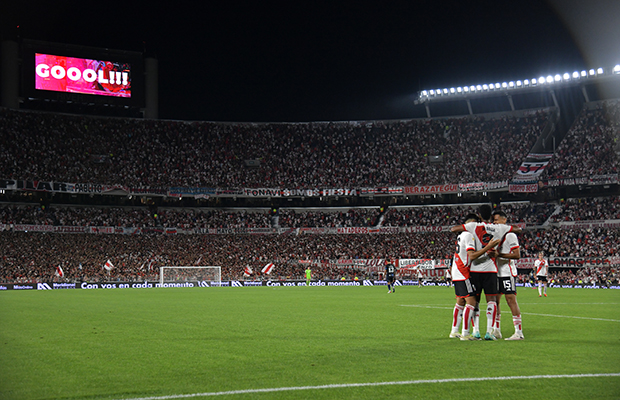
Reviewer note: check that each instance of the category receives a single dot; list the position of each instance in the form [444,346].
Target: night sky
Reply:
[318,61]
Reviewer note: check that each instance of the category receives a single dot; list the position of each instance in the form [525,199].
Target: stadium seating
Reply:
[142,153]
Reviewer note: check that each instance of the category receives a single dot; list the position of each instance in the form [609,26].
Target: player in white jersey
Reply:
[541,266]
[484,270]
[465,292]
[507,252]
[420,276]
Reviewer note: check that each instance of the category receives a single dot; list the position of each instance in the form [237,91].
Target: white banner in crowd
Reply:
[525,181]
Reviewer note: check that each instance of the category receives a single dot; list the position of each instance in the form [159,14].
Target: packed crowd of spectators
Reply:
[353,217]
[129,217]
[184,218]
[588,209]
[191,219]
[587,276]
[532,214]
[31,256]
[34,256]
[601,276]
[163,154]
[528,213]
[590,146]
[558,242]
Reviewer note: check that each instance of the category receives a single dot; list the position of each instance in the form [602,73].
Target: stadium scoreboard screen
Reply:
[82,74]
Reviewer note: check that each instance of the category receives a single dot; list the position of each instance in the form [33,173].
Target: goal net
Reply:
[209,274]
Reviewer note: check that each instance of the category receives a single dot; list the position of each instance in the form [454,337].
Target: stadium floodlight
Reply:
[547,81]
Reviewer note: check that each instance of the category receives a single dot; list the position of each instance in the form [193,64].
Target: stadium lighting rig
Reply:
[550,81]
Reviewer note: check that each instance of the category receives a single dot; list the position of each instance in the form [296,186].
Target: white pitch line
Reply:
[571,316]
[569,304]
[368,384]
[523,313]
[426,306]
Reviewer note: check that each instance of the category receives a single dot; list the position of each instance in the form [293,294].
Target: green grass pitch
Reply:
[140,343]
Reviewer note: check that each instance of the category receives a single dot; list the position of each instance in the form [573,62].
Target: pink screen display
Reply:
[81,75]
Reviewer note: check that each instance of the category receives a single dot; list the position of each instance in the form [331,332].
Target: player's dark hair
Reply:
[500,213]
[471,216]
[485,211]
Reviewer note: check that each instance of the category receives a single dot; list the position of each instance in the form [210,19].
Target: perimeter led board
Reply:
[82,74]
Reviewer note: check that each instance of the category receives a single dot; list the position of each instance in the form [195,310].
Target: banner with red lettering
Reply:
[523,188]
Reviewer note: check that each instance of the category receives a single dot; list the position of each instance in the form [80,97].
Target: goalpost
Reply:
[208,273]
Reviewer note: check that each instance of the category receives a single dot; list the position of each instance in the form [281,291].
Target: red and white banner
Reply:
[523,188]
[381,190]
[609,223]
[422,264]
[480,186]
[570,262]
[533,166]
[449,188]
[59,271]
[593,180]
[531,170]
[267,269]
[108,265]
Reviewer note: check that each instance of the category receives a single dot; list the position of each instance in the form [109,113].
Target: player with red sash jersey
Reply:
[484,270]
[463,288]
[507,252]
[542,269]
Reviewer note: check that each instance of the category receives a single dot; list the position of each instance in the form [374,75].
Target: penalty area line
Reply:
[369,384]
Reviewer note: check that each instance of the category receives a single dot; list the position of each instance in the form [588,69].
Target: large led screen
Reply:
[81,75]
